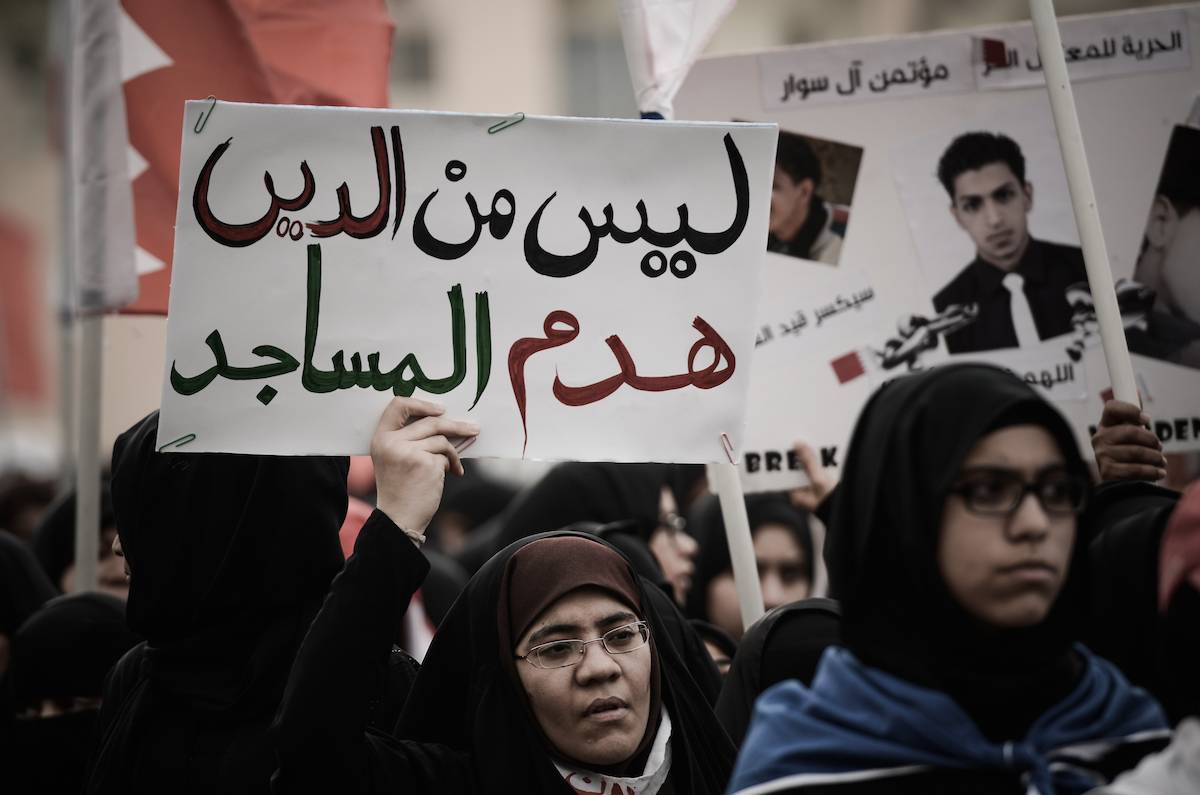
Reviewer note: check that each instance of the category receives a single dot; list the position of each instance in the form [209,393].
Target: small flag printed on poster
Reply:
[848,367]
[993,52]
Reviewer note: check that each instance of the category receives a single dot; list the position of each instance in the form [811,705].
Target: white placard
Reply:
[583,289]
[829,335]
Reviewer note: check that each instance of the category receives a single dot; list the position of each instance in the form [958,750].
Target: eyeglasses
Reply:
[562,653]
[999,492]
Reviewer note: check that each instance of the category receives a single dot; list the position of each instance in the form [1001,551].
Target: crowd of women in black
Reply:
[998,619]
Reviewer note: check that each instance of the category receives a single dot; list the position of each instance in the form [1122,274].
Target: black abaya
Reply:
[1157,651]
[786,643]
[230,558]
[62,654]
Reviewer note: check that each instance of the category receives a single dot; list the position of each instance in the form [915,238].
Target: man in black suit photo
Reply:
[1017,282]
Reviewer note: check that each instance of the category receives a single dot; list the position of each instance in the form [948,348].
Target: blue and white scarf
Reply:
[857,722]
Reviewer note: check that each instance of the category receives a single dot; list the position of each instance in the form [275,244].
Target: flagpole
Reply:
[1083,201]
[86,332]
[87,456]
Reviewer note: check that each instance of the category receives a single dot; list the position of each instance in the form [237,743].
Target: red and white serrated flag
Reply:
[663,38]
[99,203]
[313,52]
[23,374]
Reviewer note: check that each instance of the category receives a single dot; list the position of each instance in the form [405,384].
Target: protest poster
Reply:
[583,289]
[917,282]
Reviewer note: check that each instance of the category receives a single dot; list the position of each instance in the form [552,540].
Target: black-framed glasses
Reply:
[562,653]
[999,492]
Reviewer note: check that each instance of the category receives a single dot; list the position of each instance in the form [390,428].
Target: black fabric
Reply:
[578,492]
[1181,693]
[712,559]
[588,492]
[24,586]
[47,755]
[54,538]
[687,482]
[402,673]
[881,549]
[1048,269]
[62,653]
[465,728]
[230,557]
[475,496]
[1160,652]
[714,635]
[687,642]
[786,643]
[443,585]
[66,649]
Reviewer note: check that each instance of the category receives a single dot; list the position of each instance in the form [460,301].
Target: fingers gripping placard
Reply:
[582,289]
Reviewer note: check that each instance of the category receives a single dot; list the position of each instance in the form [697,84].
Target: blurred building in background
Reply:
[560,57]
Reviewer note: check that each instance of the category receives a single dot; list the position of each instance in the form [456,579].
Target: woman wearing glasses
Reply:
[551,673]
[956,549]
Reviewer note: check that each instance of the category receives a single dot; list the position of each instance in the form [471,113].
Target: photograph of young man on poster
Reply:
[1018,282]
[1168,262]
[810,197]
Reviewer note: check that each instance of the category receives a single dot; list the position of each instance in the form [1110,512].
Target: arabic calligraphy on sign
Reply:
[498,220]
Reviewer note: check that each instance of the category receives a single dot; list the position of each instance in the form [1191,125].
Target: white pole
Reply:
[87,333]
[1083,199]
[87,457]
[66,393]
[725,481]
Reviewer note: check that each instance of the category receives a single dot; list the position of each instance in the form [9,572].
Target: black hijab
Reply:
[905,454]
[712,559]
[465,696]
[230,557]
[786,643]
[1157,651]
[589,492]
[66,649]
[54,538]
[63,652]
[24,586]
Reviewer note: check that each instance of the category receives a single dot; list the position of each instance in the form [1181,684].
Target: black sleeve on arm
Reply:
[1127,520]
[320,732]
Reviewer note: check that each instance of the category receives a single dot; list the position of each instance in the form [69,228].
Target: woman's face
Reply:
[782,574]
[111,575]
[595,711]
[673,548]
[1007,570]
